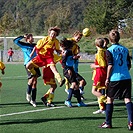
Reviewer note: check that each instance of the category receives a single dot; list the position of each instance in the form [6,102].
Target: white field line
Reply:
[14,77]
[39,110]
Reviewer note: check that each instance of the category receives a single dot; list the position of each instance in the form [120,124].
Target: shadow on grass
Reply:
[32,121]
[19,103]
[26,121]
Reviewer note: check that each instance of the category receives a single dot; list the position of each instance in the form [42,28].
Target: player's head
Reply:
[53,32]
[114,36]
[29,38]
[66,44]
[99,42]
[77,36]
[106,42]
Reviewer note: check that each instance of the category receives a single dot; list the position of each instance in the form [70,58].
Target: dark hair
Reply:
[66,44]
[77,33]
[56,29]
[28,36]
[114,36]
[106,40]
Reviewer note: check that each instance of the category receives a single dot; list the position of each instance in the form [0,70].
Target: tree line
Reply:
[36,16]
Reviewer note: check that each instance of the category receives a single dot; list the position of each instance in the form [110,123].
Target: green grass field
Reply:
[18,116]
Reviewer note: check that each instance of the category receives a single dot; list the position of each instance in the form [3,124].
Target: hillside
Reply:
[18,17]
[36,16]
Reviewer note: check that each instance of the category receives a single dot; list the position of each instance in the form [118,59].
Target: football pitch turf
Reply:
[18,116]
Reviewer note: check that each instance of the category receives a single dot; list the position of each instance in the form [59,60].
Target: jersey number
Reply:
[121,59]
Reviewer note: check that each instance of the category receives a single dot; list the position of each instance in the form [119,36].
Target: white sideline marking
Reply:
[32,111]
[15,77]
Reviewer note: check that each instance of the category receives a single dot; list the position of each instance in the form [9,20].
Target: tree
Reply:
[129,22]
[59,17]
[6,23]
[104,14]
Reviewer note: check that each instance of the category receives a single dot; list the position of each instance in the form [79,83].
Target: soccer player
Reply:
[69,73]
[118,80]
[10,54]
[2,68]
[45,49]
[99,74]
[76,50]
[49,79]
[27,48]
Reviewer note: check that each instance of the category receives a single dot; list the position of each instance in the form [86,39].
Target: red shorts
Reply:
[40,62]
[99,85]
[48,76]
[99,79]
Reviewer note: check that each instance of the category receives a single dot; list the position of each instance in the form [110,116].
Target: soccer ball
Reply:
[86,32]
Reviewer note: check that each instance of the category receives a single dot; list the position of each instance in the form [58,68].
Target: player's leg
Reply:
[78,96]
[34,92]
[128,102]
[48,79]
[34,63]
[129,107]
[66,85]
[69,97]
[44,98]
[51,96]
[29,85]
[101,103]
[57,75]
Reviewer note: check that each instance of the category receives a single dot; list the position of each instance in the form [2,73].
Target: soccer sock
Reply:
[66,83]
[70,94]
[129,107]
[46,95]
[51,97]
[109,112]
[102,99]
[29,89]
[58,77]
[32,71]
[77,93]
[81,88]
[101,105]
[34,90]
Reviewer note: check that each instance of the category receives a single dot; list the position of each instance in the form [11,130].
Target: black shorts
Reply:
[71,78]
[79,77]
[119,89]
[38,73]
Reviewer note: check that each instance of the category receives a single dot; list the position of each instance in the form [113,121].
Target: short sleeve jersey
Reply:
[117,55]
[100,59]
[67,59]
[46,46]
